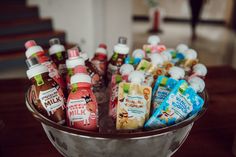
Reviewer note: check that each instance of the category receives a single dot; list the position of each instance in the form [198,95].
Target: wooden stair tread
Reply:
[22,22]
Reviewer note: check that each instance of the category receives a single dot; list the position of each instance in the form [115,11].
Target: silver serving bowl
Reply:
[71,142]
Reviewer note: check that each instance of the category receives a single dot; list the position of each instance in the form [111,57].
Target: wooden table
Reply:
[212,135]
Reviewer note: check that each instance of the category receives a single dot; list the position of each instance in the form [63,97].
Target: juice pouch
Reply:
[133,104]
[190,59]
[161,90]
[115,80]
[198,70]
[181,102]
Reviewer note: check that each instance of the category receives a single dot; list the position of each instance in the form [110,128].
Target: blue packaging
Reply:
[161,90]
[181,102]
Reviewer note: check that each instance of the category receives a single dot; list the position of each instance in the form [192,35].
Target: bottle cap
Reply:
[166,55]
[176,72]
[101,51]
[30,62]
[55,46]
[73,53]
[102,45]
[30,43]
[54,41]
[197,84]
[181,48]
[190,54]
[200,69]
[138,53]
[122,40]
[156,59]
[71,63]
[136,77]
[126,69]
[84,55]
[153,40]
[36,70]
[32,48]
[80,78]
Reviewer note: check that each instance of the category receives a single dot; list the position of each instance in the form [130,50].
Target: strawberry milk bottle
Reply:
[46,94]
[82,109]
[33,50]
[71,63]
[58,55]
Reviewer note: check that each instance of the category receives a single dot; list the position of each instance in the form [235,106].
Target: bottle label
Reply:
[78,111]
[53,72]
[62,69]
[51,100]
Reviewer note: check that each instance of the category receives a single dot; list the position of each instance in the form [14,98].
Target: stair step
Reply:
[11,43]
[25,26]
[15,13]
[13,2]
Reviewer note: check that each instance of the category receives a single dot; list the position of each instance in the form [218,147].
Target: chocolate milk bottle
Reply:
[58,55]
[47,96]
[121,51]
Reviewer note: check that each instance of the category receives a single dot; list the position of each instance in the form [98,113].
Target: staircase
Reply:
[19,23]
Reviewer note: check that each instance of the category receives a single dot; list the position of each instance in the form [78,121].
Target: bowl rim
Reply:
[118,135]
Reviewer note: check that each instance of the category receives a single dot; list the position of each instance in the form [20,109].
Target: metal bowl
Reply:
[79,143]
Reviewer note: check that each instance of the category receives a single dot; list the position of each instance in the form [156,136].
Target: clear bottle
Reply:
[82,109]
[33,50]
[121,51]
[46,94]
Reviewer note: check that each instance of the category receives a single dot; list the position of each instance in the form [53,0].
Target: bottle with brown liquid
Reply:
[121,51]
[47,96]
[58,55]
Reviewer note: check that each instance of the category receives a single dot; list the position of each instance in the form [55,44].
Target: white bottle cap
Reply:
[80,78]
[190,54]
[84,55]
[176,72]
[71,63]
[138,53]
[166,55]
[126,69]
[200,69]
[121,49]
[136,77]
[181,48]
[36,70]
[156,59]
[153,40]
[33,50]
[56,48]
[101,50]
[197,84]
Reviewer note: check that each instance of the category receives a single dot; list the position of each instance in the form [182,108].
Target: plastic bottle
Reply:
[121,51]
[46,94]
[100,59]
[58,55]
[72,62]
[33,50]
[82,109]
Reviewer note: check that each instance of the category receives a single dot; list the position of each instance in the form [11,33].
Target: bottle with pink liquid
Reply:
[82,109]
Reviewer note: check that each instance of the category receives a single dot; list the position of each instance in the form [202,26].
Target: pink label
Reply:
[82,110]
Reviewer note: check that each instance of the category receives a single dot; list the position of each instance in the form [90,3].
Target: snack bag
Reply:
[181,102]
[133,103]
[161,90]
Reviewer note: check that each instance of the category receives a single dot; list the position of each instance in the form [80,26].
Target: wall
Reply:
[89,22]
[213,9]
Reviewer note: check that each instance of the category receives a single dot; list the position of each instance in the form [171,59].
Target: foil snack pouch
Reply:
[133,106]
[161,90]
[178,105]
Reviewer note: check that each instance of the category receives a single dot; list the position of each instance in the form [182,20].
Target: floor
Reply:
[214,45]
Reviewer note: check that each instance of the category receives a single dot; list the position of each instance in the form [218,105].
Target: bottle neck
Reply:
[79,86]
[40,79]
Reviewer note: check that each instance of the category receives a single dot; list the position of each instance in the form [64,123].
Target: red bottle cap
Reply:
[73,53]
[30,43]
[102,45]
